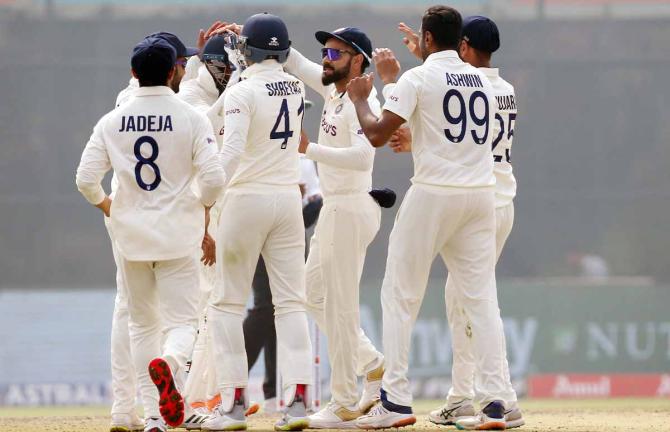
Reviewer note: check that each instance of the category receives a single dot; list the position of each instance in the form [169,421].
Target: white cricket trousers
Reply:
[253,222]
[163,306]
[124,380]
[200,386]
[458,224]
[464,377]
[346,227]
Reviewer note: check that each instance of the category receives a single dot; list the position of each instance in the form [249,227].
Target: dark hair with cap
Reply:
[444,23]
[152,61]
[352,36]
[481,33]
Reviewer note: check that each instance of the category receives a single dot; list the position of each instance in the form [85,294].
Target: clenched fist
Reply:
[360,87]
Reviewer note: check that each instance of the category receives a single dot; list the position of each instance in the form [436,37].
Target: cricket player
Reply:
[480,39]
[156,145]
[205,93]
[124,386]
[348,223]
[261,214]
[448,210]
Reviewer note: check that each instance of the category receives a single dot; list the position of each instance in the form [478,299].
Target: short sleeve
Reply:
[403,98]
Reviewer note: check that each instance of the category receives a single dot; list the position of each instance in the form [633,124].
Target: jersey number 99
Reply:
[149,161]
[480,131]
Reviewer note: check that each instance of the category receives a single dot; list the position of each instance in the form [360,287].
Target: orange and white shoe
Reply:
[170,401]
[214,402]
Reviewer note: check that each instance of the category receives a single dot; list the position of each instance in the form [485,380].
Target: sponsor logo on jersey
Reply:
[232,111]
[339,108]
[221,131]
[328,128]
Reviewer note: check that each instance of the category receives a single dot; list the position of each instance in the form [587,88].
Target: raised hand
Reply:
[360,87]
[203,35]
[388,67]
[411,39]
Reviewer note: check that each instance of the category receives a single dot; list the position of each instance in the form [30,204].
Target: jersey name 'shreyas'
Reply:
[263,117]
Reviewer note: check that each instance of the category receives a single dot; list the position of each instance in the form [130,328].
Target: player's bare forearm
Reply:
[378,130]
[370,123]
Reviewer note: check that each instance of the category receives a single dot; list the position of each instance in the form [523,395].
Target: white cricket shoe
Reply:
[514,418]
[126,423]
[372,385]
[450,413]
[155,424]
[381,418]
[295,415]
[334,416]
[221,420]
[194,418]
[491,417]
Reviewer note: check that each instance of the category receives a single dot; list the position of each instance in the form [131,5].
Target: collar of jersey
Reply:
[265,65]
[490,72]
[447,54]
[153,91]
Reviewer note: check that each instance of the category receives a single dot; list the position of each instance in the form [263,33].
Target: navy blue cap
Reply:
[215,48]
[181,49]
[152,55]
[481,33]
[351,36]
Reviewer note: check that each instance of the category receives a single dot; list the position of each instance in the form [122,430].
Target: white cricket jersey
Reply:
[344,154]
[156,144]
[450,107]
[503,135]
[203,95]
[263,117]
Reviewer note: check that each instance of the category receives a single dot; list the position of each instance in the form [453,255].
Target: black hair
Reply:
[155,77]
[444,23]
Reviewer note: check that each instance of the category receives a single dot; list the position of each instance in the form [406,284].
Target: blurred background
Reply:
[584,280]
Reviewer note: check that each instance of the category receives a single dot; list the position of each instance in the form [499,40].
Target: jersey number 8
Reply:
[150,161]
[461,118]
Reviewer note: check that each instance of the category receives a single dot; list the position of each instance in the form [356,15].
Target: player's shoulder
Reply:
[506,85]
[414,74]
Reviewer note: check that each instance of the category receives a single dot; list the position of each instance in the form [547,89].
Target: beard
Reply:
[335,74]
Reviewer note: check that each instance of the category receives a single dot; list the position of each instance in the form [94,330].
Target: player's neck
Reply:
[341,85]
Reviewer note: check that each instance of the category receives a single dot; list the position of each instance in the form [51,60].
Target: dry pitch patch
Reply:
[618,415]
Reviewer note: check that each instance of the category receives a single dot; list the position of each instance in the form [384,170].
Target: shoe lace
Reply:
[378,409]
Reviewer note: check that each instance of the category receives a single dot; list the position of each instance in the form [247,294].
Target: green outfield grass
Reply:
[593,415]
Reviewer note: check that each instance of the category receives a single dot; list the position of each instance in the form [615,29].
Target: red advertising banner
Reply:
[577,386]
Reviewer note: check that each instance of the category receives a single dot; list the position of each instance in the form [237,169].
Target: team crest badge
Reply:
[273,41]
[339,108]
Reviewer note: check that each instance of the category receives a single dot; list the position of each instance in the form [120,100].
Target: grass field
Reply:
[641,415]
